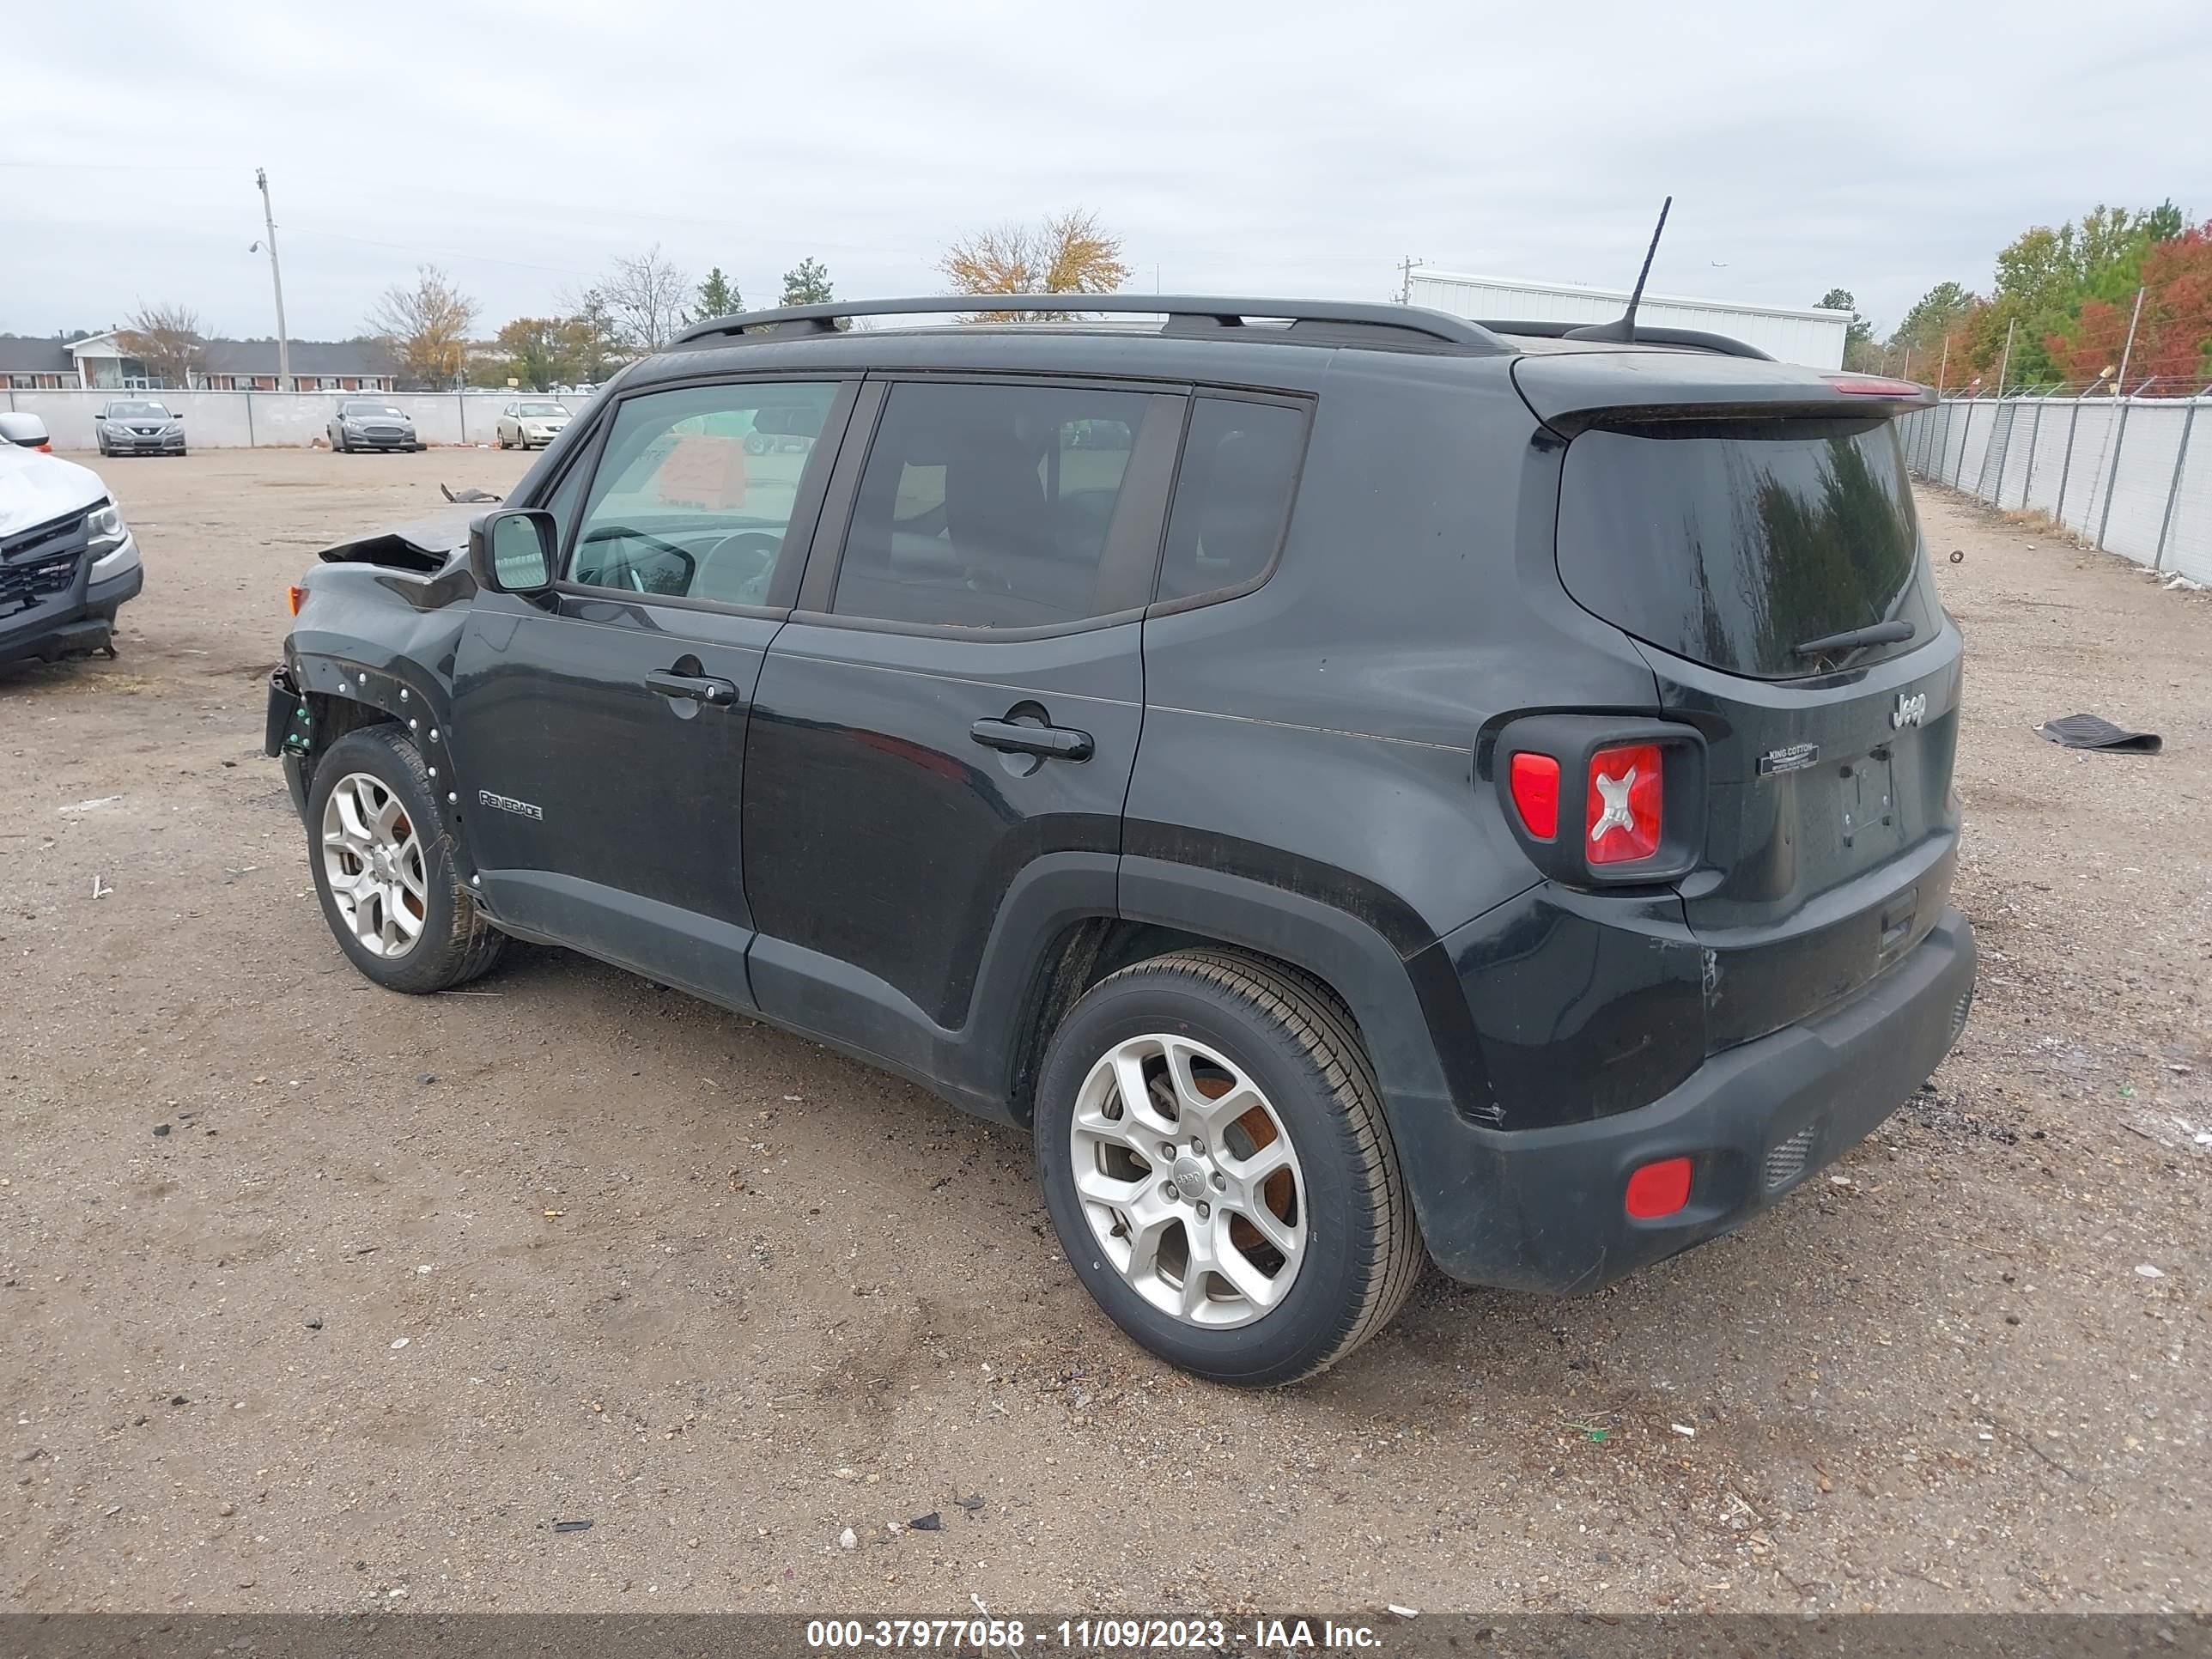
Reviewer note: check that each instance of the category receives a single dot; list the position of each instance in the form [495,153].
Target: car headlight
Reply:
[104,523]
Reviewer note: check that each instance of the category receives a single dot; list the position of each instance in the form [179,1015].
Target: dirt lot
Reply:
[317,1297]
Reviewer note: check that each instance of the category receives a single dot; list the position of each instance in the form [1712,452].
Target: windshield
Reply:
[392,410]
[137,411]
[539,409]
[1734,543]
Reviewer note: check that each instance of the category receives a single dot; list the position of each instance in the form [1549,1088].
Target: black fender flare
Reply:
[395,686]
[1411,1013]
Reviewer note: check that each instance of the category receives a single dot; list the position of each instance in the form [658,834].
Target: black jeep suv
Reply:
[1352,781]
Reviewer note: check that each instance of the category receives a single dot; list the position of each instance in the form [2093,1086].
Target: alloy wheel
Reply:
[373,861]
[1189,1181]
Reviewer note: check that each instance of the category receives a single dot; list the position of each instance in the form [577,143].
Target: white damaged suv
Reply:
[68,562]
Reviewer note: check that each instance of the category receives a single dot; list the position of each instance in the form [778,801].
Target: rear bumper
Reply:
[1541,1209]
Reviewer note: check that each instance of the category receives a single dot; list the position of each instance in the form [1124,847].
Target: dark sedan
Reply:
[371,423]
[138,426]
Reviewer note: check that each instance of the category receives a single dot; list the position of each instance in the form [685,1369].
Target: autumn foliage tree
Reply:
[425,327]
[1070,253]
[2173,336]
[2064,297]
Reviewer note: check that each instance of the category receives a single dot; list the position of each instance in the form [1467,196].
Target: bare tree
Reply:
[166,340]
[1067,254]
[643,297]
[425,328]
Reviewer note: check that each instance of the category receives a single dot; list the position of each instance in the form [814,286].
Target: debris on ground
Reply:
[932,1522]
[849,1540]
[2094,731]
[572,1526]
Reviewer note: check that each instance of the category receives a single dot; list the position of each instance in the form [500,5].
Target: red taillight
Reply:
[46,449]
[1659,1189]
[1625,796]
[1536,781]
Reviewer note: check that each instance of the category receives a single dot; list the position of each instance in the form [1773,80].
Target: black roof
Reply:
[308,358]
[28,354]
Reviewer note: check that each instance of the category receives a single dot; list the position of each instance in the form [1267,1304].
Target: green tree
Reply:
[718,296]
[536,351]
[1932,316]
[808,283]
[1860,352]
[588,338]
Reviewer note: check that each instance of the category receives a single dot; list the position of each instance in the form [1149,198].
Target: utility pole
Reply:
[277,281]
[1943,367]
[2004,363]
[2120,385]
[1406,267]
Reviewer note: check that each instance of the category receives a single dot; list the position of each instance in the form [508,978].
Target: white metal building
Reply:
[1795,334]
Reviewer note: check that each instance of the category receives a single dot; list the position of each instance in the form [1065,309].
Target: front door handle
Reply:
[693,688]
[1052,742]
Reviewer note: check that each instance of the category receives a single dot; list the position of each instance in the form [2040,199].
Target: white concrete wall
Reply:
[1803,335]
[237,420]
[2130,475]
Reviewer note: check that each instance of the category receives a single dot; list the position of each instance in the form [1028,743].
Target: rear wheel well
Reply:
[1087,952]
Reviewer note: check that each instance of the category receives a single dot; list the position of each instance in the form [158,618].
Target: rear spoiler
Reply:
[1571,392]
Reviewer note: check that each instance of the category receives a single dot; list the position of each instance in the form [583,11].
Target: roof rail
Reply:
[1696,339]
[1326,322]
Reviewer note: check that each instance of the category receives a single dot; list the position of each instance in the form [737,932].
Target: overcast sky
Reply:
[1294,149]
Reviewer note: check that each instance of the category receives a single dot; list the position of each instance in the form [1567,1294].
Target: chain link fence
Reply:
[2132,475]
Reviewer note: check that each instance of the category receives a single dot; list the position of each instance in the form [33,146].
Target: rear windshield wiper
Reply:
[1894,632]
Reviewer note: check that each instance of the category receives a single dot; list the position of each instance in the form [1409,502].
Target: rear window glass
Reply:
[1732,544]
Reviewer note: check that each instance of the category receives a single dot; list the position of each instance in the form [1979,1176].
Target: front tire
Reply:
[1212,1144]
[384,867]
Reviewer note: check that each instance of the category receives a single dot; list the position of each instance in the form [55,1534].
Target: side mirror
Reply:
[511,551]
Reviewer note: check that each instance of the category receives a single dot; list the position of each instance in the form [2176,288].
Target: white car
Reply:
[67,560]
[532,422]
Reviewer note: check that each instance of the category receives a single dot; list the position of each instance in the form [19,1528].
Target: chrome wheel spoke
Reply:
[395,904]
[1244,1273]
[1139,1107]
[1272,1227]
[1095,1186]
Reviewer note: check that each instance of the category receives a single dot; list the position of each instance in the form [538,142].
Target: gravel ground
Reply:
[317,1297]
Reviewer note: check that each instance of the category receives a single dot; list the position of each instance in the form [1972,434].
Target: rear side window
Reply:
[993,506]
[1732,544]
[1240,469]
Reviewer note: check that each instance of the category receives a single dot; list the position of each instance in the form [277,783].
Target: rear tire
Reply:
[442,940]
[1336,1253]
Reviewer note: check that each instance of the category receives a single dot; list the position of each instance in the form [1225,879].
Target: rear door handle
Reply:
[1053,742]
[693,688]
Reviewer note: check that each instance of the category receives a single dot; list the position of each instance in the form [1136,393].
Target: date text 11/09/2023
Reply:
[1093,1635]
